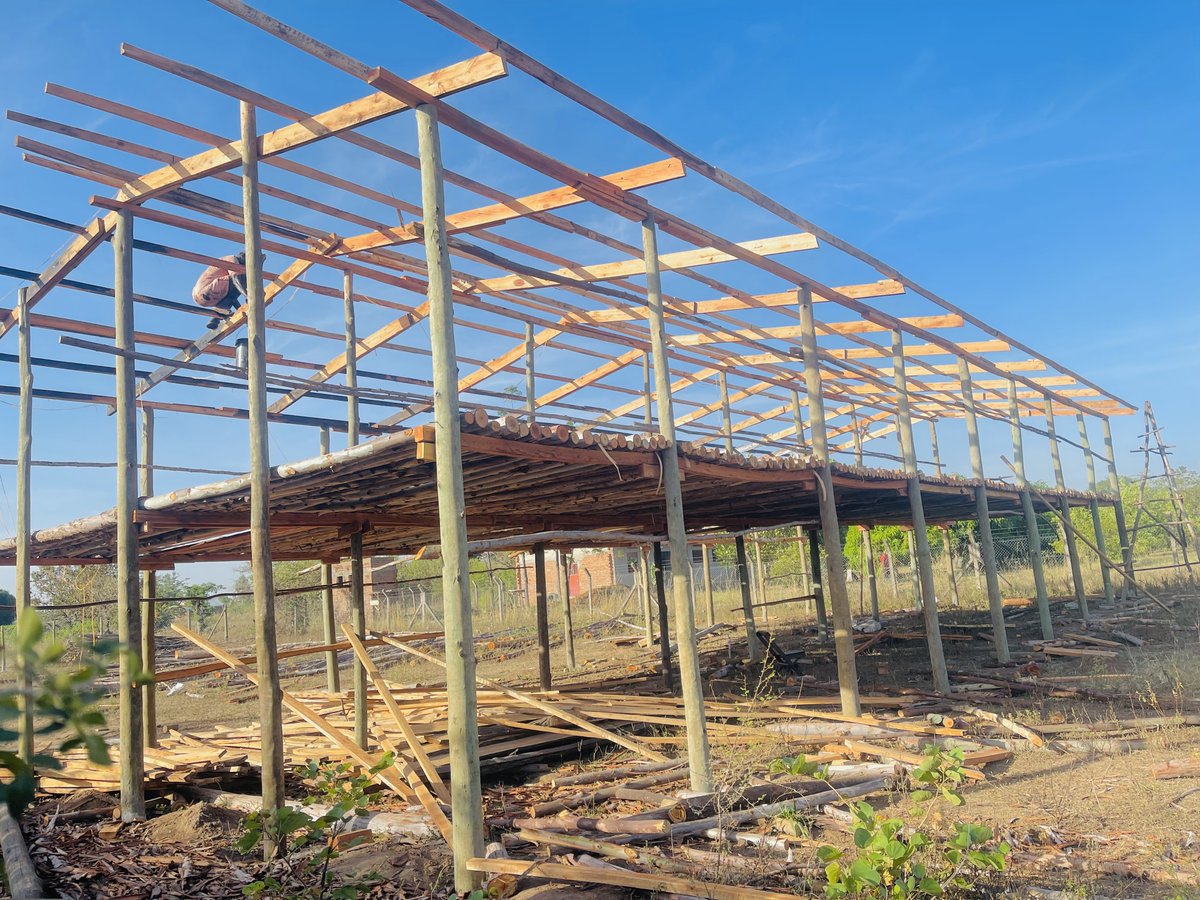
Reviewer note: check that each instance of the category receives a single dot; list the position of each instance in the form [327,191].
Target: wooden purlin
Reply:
[484,39]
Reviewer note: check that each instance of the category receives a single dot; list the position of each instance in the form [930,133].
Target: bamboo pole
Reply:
[352,421]
[149,593]
[1114,488]
[131,758]
[568,624]
[1068,534]
[358,619]
[699,765]
[462,728]
[1031,523]
[333,676]
[1094,504]
[24,546]
[987,547]
[753,644]
[817,582]
[664,628]
[831,533]
[929,610]
[530,376]
[706,568]
[270,696]
[541,604]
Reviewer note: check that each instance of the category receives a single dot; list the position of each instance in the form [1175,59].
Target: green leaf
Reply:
[930,886]
[826,853]
[921,796]
[29,629]
[861,837]
[863,871]
[895,850]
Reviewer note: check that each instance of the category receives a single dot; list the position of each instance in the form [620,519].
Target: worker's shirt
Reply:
[214,285]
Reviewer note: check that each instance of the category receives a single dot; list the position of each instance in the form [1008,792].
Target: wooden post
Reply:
[987,547]
[706,566]
[933,441]
[351,360]
[831,532]
[462,730]
[24,548]
[798,419]
[753,645]
[818,591]
[333,677]
[129,613]
[1114,488]
[647,598]
[872,586]
[270,696]
[726,414]
[948,552]
[1090,462]
[542,603]
[358,620]
[805,578]
[149,593]
[664,633]
[928,588]
[760,578]
[568,625]
[1068,534]
[530,376]
[1031,522]
[647,394]
[699,765]
[858,437]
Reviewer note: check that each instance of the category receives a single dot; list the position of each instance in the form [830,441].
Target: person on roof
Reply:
[221,289]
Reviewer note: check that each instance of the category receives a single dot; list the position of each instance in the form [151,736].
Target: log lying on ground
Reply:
[413,824]
[612,774]
[23,881]
[1178,768]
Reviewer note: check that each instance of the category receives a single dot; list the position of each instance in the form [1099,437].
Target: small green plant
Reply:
[293,831]
[794,822]
[895,860]
[798,765]
[62,700]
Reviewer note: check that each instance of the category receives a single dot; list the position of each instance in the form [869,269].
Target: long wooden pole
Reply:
[1094,504]
[149,592]
[706,568]
[699,765]
[1067,533]
[24,546]
[798,419]
[983,519]
[352,421]
[817,582]
[929,610]
[530,376]
[270,696]
[664,631]
[753,645]
[1031,523]
[462,729]
[726,414]
[831,532]
[872,582]
[568,620]
[129,614]
[333,675]
[541,604]
[358,619]
[1114,488]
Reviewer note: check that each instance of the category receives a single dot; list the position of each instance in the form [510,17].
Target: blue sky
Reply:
[1032,162]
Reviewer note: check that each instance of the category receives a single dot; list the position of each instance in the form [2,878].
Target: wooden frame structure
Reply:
[784,381]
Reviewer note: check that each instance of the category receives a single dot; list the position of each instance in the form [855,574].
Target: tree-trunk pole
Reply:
[149,592]
[568,624]
[647,597]
[872,585]
[987,547]
[699,765]
[831,533]
[933,448]
[726,413]
[1090,462]
[1067,533]
[647,393]
[753,644]
[664,631]
[948,552]
[333,677]
[358,620]
[933,631]
[914,569]
[817,582]
[1031,523]
[542,603]
[24,548]
[270,697]
[858,438]
[760,578]
[706,567]
[1114,488]
[352,421]
[530,376]
[798,419]
[129,612]
[462,730]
